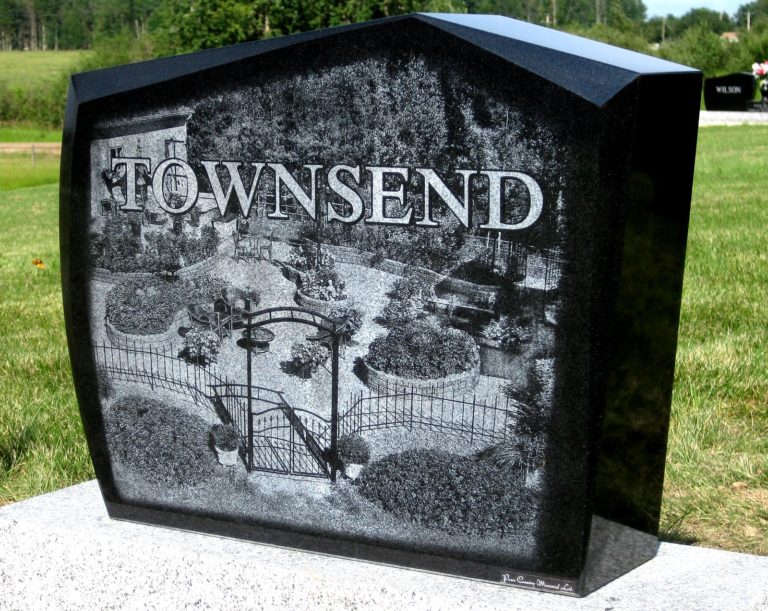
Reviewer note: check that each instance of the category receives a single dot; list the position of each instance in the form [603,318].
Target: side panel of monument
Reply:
[400,291]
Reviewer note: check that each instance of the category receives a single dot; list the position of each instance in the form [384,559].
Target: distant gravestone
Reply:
[405,291]
[730,92]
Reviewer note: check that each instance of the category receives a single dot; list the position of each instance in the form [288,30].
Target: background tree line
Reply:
[175,26]
[186,25]
[122,31]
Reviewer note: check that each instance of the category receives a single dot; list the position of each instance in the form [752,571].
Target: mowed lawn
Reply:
[716,491]
[716,488]
[42,447]
[18,133]
[28,69]
[28,167]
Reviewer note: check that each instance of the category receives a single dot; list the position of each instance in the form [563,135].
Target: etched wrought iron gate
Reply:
[290,441]
[283,439]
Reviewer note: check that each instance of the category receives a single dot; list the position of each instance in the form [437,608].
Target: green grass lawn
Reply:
[716,490]
[41,440]
[27,69]
[18,170]
[23,133]
[717,467]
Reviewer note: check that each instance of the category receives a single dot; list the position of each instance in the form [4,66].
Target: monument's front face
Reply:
[357,292]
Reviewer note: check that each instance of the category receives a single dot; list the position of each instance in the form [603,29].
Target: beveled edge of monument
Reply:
[564,42]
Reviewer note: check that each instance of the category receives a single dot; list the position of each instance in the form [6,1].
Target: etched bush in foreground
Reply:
[457,494]
[160,444]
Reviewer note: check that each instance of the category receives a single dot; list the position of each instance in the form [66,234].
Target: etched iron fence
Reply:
[232,403]
[232,409]
[282,440]
[540,267]
[157,368]
[436,409]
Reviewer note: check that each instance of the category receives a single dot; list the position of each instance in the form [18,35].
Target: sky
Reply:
[680,7]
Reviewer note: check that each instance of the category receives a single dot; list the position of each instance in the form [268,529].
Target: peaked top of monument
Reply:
[555,40]
[591,70]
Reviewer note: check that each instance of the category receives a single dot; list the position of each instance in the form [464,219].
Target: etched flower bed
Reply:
[151,312]
[321,306]
[322,290]
[422,355]
[127,340]
[381,381]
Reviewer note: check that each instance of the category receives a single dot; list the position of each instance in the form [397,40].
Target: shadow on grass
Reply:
[14,444]
[675,532]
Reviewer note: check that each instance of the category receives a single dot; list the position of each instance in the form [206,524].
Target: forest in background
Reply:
[188,25]
[122,31]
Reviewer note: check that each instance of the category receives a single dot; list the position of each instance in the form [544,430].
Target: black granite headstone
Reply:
[405,291]
[730,92]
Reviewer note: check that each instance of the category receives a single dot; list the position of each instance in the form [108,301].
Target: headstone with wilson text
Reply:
[730,92]
[405,290]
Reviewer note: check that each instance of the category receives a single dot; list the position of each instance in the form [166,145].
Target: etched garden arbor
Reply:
[329,331]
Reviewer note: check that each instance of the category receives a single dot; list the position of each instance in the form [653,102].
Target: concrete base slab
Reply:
[62,551]
[726,117]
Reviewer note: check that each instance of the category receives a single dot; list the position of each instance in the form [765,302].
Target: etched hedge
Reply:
[457,494]
[161,444]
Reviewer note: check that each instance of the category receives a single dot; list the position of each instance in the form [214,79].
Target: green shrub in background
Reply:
[44,103]
[702,49]
[628,38]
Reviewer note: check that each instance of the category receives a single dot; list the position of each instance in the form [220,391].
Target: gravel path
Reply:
[53,148]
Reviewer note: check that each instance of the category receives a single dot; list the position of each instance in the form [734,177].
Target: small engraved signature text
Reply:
[536,583]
